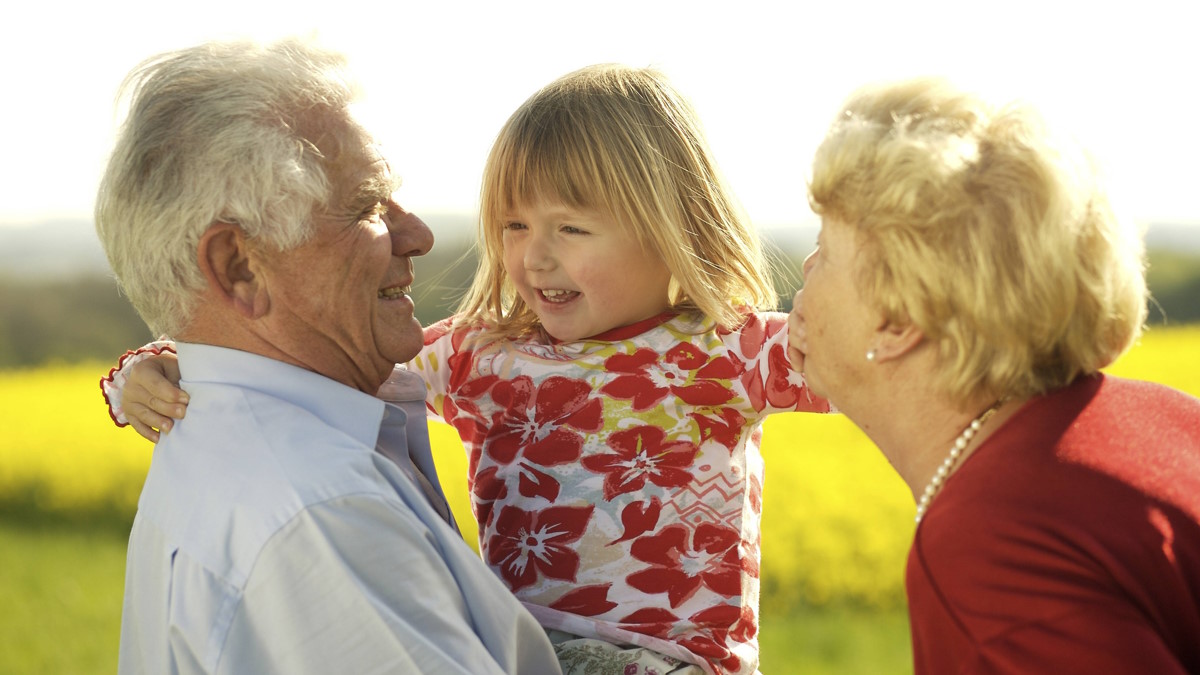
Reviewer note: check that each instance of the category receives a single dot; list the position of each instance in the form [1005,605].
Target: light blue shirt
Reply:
[271,537]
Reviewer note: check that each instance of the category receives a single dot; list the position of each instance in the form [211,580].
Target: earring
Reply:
[870,354]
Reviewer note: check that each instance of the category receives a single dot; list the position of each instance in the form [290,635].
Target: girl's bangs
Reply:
[549,167]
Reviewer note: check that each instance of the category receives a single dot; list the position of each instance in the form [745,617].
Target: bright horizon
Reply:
[764,78]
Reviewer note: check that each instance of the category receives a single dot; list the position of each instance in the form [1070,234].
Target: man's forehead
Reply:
[357,166]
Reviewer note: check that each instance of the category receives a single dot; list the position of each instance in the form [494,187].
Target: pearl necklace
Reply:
[956,451]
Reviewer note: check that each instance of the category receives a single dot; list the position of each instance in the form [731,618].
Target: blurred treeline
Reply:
[84,317]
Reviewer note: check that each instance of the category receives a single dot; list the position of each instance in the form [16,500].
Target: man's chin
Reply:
[402,348]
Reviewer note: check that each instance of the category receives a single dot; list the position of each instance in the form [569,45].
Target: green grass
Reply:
[833,640]
[62,587]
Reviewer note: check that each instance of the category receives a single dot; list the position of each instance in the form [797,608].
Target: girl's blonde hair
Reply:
[624,142]
[976,226]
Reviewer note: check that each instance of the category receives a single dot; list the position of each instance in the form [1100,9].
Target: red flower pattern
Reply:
[755,495]
[684,372]
[680,565]
[713,651]
[714,624]
[746,626]
[783,386]
[542,423]
[487,487]
[642,454]
[466,418]
[639,518]
[655,621]
[586,601]
[525,545]
[725,427]
[705,633]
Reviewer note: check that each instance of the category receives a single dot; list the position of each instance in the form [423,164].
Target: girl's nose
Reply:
[538,255]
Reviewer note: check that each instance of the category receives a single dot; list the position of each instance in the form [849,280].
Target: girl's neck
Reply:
[627,331]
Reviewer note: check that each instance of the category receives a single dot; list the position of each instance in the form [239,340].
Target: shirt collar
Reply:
[347,409]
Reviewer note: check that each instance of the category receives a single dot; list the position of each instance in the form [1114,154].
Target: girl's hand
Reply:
[796,335]
[151,398]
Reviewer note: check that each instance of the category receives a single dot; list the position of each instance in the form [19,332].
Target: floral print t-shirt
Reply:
[617,480]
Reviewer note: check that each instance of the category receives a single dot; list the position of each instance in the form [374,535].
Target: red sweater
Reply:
[1069,542]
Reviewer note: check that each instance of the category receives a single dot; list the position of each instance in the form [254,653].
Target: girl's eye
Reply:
[514,226]
[571,229]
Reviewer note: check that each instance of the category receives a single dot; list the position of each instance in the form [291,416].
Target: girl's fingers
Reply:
[170,368]
[149,418]
[167,395]
[168,407]
[144,431]
[164,400]
[797,359]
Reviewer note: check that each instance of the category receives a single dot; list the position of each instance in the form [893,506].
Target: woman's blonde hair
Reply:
[980,229]
[624,142]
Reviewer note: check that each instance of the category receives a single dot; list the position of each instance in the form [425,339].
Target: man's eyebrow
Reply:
[376,188]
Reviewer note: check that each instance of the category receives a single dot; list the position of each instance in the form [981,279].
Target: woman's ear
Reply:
[894,339]
[228,263]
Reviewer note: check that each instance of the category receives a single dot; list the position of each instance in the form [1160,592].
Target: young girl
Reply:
[609,375]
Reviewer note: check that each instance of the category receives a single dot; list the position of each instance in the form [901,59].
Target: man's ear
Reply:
[228,263]
[894,339]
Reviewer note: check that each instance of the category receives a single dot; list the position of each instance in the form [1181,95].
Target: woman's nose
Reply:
[808,263]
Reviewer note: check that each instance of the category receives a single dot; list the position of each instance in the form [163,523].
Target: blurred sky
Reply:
[766,78]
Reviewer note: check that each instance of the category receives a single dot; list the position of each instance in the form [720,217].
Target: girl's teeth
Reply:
[558,295]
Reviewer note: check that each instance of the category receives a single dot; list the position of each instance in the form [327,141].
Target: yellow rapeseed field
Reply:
[59,450]
[837,521]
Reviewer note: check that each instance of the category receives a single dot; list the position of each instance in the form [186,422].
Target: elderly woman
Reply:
[969,283]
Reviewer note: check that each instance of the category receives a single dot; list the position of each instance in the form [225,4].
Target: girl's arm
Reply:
[143,390]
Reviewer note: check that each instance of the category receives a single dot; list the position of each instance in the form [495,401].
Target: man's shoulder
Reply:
[238,425]
[241,465]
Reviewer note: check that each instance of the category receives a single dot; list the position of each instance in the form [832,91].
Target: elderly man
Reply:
[293,522]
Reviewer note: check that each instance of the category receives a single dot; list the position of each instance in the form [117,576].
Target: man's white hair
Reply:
[214,133]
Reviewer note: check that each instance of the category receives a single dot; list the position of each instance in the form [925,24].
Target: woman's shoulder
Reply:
[1149,400]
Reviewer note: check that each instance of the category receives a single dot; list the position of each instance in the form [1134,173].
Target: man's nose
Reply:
[411,237]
